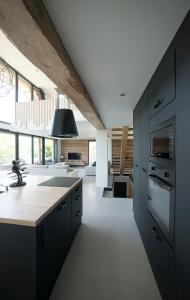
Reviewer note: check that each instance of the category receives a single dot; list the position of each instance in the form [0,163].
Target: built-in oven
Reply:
[162,143]
[161,198]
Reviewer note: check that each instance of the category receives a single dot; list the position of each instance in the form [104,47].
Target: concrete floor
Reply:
[107,260]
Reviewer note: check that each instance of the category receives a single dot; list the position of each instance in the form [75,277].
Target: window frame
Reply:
[54,149]
[12,133]
[17,134]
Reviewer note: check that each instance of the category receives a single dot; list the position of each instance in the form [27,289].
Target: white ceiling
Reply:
[116,46]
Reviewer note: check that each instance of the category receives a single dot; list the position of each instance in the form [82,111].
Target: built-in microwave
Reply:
[162,143]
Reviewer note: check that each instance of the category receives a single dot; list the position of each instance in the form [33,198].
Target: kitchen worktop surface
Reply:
[29,204]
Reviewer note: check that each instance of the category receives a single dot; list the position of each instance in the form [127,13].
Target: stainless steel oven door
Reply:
[161,197]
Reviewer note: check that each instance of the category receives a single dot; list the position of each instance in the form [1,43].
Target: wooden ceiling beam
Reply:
[28,25]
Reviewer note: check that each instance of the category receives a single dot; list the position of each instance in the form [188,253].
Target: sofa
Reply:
[59,170]
[90,170]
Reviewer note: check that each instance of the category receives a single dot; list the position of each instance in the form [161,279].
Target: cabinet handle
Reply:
[77,213]
[136,165]
[62,206]
[156,234]
[158,103]
[144,170]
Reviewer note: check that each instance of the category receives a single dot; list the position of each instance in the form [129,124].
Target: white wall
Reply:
[102,158]
[109,149]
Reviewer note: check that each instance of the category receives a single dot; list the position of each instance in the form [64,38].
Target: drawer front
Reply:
[162,260]
[76,221]
[77,198]
[162,87]
[76,208]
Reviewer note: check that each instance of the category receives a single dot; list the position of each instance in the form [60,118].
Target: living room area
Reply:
[76,158]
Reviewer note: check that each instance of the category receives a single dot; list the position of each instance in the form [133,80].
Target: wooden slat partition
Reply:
[35,114]
[117,149]
[123,148]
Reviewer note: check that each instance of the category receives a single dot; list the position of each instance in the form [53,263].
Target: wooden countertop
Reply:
[29,204]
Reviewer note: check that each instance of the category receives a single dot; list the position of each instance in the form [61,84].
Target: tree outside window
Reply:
[49,151]
[7,147]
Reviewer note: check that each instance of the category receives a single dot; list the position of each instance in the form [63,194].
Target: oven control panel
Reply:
[167,174]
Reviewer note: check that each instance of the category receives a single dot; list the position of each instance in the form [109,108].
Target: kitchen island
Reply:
[37,226]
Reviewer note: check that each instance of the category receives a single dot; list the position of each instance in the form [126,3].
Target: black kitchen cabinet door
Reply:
[42,234]
[162,260]
[136,133]
[59,236]
[144,131]
[143,205]
[18,262]
[136,168]
[76,209]
[141,150]
[137,195]
[163,85]
[182,215]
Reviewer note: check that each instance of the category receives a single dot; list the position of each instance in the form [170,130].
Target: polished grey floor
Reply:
[107,260]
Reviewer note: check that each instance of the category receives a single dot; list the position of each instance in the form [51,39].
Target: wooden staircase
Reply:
[122,150]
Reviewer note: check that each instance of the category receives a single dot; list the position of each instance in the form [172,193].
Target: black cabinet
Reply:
[162,259]
[18,267]
[43,288]
[76,209]
[136,195]
[136,168]
[144,204]
[137,132]
[161,256]
[141,153]
[182,218]
[144,131]
[59,223]
[31,257]
[171,81]
[163,86]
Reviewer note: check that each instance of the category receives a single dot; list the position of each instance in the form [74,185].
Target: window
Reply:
[25,148]
[36,94]
[92,151]
[7,147]
[24,90]
[49,151]
[7,93]
[37,150]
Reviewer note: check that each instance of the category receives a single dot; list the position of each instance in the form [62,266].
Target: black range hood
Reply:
[64,125]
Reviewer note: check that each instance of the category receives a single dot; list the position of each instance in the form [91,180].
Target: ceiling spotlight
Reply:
[122,94]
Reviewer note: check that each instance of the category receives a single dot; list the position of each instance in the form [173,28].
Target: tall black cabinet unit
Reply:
[183,165]
[140,172]
[166,96]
